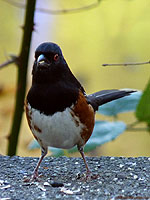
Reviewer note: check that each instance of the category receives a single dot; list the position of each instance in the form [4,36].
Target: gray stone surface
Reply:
[119,178]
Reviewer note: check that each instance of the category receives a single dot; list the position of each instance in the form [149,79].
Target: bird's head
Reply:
[49,62]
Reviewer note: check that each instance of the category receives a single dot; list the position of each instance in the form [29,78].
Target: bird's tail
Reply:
[99,98]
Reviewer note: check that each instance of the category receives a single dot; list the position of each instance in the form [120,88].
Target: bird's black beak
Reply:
[43,62]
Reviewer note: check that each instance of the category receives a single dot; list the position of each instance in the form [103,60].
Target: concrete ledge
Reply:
[119,178]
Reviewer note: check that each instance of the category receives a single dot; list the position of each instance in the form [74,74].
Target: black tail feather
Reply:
[99,98]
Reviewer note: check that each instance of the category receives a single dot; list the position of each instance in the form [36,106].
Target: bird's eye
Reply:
[56,57]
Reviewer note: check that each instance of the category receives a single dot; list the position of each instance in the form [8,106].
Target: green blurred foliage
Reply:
[143,109]
[114,32]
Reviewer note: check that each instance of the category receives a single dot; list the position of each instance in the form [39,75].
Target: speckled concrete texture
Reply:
[62,178]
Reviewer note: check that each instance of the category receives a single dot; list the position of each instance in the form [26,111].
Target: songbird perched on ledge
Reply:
[59,112]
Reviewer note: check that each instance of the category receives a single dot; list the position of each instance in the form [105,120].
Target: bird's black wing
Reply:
[99,98]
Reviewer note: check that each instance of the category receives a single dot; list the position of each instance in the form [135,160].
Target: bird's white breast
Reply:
[61,130]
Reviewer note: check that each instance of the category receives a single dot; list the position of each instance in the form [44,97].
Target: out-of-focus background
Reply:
[115,31]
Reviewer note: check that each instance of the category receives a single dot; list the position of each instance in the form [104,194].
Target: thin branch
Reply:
[126,64]
[137,129]
[56,12]
[131,127]
[64,11]
[13,59]
[14,3]
[133,124]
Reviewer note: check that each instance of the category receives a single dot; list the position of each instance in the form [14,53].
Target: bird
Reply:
[59,112]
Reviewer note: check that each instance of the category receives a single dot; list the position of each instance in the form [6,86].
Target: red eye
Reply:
[56,56]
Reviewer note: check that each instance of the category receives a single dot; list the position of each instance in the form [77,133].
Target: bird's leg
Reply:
[89,174]
[35,173]
[43,154]
[83,156]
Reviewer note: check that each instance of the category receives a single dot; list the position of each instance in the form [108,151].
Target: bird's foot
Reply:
[88,176]
[34,178]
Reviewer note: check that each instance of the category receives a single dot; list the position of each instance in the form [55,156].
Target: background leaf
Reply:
[125,104]
[34,145]
[103,132]
[143,108]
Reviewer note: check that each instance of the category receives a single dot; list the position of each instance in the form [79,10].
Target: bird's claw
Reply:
[88,176]
[33,178]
